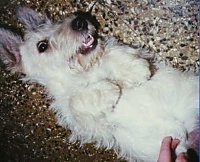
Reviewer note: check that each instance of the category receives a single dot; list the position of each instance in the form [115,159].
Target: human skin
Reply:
[168,146]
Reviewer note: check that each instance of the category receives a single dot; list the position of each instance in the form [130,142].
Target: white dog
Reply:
[105,92]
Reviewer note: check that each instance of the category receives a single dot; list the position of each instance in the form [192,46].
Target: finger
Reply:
[165,150]
[175,143]
[181,158]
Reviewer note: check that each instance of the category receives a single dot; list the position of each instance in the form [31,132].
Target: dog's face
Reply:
[47,45]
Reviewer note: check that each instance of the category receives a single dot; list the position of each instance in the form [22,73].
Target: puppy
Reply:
[104,91]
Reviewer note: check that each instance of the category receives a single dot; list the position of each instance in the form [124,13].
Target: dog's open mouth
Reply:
[88,44]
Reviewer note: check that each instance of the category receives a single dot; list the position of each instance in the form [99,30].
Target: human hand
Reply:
[168,146]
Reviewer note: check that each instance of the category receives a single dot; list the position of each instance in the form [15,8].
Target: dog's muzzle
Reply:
[80,25]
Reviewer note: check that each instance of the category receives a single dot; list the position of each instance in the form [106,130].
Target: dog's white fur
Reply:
[108,96]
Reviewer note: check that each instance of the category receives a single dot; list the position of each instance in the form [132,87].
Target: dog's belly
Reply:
[167,105]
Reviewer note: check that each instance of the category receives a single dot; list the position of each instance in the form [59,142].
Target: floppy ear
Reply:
[31,19]
[9,50]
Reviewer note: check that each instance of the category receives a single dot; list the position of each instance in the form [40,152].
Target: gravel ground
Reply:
[28,129]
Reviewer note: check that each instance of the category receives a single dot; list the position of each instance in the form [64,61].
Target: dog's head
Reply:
[48,45]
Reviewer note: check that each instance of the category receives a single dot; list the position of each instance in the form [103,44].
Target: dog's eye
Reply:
[42,46]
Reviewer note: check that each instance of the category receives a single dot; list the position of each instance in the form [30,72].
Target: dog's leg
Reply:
[95,101]
[91,109]
[123,65]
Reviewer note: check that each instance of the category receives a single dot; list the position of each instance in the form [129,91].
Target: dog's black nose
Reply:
[79,24]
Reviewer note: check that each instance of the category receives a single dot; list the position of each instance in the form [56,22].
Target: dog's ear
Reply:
[30,18]
[9,50]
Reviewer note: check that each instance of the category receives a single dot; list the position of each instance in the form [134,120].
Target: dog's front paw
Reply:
[95,99]
[124,64]
[133,73]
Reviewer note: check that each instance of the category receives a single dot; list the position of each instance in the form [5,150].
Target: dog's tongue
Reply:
[88,42]
[86,45]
